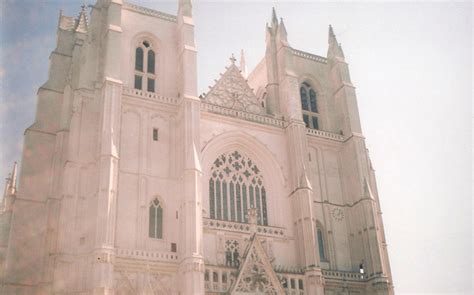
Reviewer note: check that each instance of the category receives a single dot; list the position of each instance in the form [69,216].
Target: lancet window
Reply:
[145,67]
[236,184]
[155,229]
[309,105]
[321,244]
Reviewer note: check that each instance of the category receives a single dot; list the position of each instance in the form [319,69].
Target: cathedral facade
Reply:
[132,183]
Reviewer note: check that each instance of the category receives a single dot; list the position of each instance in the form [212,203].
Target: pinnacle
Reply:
[274,18]
[82,20]
[331,32]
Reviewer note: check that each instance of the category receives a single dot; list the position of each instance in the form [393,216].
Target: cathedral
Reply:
[133,183]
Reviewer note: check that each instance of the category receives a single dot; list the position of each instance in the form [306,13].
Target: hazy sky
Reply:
[411,63]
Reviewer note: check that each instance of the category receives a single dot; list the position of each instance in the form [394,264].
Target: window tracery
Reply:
[309,105]
[145,55]
[232,256]
[155,229]
[236,184]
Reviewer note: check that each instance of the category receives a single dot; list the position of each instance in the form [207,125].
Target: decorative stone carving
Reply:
[338,214]
[128,283]
[256,274]
[232,91]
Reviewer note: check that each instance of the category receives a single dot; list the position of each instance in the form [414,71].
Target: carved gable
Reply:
[256,275]
[232,91]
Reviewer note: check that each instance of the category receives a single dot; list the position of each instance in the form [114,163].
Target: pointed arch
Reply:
[314,114]
[236,167]
[271,199]
[155,218]
[148,52]
[321,242]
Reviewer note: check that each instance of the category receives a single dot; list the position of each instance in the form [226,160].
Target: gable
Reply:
[232,91]
[256,275]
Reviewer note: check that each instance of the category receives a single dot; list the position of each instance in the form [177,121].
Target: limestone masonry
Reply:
[132,183]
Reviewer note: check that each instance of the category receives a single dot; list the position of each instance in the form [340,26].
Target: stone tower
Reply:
[132,184]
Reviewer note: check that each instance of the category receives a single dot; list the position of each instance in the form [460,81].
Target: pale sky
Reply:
[411,63]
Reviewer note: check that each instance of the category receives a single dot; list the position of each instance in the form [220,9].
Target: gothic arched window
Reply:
[309,105]
[321,244]
[155,229]
[236,184]
[144,55]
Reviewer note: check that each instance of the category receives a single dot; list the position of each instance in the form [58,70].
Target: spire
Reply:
[335,49]
[282,31]
[243,66]
[82,21]
[331,35]
[274,18]
[185,8]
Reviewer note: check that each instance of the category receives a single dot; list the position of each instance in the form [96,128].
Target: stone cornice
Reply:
[149,12]
[309,56]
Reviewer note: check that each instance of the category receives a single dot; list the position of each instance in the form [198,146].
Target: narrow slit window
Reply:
[155,134]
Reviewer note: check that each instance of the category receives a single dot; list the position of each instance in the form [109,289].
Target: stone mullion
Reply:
[232,200]
[258,204]
[244,203]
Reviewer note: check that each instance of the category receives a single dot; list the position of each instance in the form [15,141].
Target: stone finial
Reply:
[331,32]
[82,20]
[335,49]
[252,215]
[252,218]
[282,31]
[274,18]
[14,175]
[243,66]
[232,59]
[10,183]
